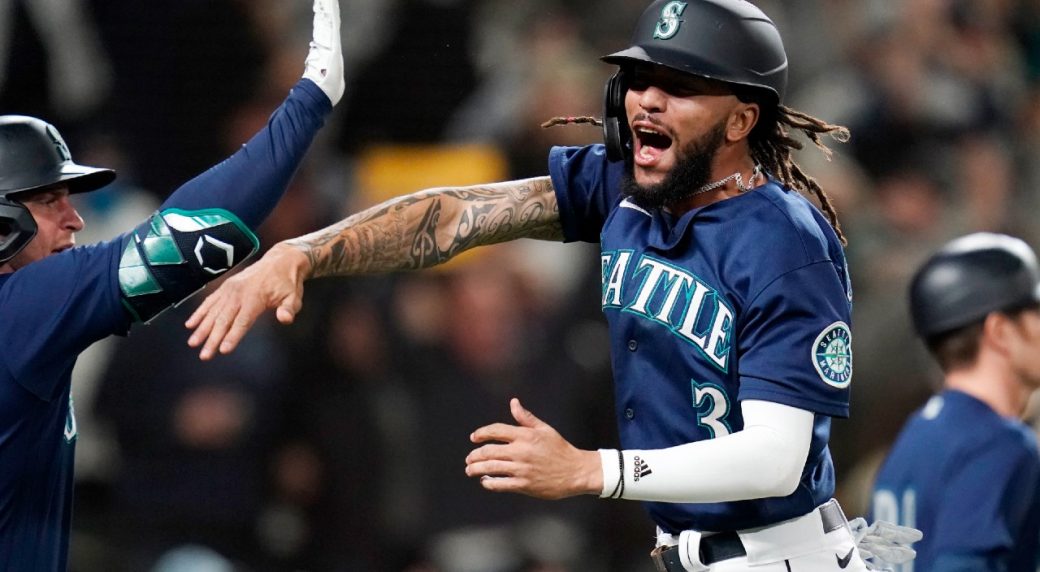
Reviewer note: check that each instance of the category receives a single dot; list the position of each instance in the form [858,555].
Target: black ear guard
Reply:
[616,134]
[17,228]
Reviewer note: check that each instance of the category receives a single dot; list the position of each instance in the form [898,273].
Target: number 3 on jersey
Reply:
[712,405]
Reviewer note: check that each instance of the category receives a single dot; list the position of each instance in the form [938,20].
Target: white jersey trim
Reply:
[627,204]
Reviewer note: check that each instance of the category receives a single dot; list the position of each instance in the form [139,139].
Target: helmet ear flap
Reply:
[17,228]
[616,135]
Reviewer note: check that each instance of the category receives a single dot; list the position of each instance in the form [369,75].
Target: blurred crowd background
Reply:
[337,444]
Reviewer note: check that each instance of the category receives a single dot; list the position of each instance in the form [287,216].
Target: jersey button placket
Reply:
[630,413]
[632,345]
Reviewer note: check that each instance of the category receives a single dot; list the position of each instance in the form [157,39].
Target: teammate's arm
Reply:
[407,233]
[208,224]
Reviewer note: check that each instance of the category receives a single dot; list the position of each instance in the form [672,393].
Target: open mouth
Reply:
[651,143]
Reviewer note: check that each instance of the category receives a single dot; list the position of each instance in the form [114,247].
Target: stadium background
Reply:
[338,444]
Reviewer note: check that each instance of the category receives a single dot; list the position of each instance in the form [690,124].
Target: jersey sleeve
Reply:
[55,308]
[587,189]
[794,343]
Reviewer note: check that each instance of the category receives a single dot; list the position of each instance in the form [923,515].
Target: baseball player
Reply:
[965,469]
[725,289]
[58,299]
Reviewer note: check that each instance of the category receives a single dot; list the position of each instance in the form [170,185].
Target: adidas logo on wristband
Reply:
[641,469]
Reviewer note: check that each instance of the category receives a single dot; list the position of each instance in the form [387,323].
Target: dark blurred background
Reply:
[337,444]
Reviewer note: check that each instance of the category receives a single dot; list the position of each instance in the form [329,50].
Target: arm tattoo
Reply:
[430,227]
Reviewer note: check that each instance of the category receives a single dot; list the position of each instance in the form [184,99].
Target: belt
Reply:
[726,545]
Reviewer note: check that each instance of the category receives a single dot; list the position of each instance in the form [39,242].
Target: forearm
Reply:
[765,459]
[430,227]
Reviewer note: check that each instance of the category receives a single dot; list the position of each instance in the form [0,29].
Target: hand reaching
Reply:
[532,458]
[224,317]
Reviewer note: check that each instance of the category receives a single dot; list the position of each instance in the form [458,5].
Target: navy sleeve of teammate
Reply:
[587,188]
[248,185]
[83,311]
[207,226]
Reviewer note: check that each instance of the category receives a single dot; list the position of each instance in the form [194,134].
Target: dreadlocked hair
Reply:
[771,147]
[572,119]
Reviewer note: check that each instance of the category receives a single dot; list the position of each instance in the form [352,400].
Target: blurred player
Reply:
[725,290]
[965,469]
[58,299]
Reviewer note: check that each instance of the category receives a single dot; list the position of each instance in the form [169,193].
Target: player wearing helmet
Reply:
[58,299]
[965,470]
[725,290]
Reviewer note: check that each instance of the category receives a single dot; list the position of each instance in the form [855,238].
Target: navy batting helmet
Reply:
[970,277]
[727,40]
[33,156]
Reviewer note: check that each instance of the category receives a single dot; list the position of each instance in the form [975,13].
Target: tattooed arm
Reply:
[430,227]
[407,233]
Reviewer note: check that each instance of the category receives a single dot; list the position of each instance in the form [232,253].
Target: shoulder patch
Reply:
[832,355]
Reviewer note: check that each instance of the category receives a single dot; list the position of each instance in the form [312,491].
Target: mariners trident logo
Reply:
[669,23]
[832,355]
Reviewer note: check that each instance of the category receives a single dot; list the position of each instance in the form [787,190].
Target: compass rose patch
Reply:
[832,355]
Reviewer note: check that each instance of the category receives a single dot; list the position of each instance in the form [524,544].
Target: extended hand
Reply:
[224,317]
[533,459]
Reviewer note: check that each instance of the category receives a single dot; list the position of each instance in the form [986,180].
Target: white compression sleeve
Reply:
[765,459]
[324,65]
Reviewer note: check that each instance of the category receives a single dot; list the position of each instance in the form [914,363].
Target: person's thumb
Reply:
[287,310]
[524,417]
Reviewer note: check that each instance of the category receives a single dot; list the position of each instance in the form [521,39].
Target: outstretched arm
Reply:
[407,233]
[207,225]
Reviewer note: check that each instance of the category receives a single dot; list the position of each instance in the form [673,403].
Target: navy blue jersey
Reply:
[54,308]
[966,477]
[746,298]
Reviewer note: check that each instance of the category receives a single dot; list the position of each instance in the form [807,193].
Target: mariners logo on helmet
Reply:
[59,143]
[669,23]
[832,355]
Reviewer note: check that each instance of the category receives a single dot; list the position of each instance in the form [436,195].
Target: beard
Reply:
[691,172]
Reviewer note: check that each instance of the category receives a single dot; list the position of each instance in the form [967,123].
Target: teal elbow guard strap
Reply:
[177,252]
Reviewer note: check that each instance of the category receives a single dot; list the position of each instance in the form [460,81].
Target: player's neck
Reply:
[730,178]
[993,385]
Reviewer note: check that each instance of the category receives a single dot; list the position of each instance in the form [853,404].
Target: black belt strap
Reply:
[726,545]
